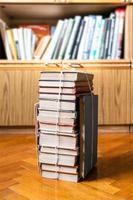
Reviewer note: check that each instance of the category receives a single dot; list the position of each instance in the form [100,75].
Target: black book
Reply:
[78,39]
[88,133]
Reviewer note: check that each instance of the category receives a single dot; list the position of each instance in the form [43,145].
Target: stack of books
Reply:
[66,125]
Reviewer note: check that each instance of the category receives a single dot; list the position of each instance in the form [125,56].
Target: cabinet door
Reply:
[131,96]
[18,91]
[113,89]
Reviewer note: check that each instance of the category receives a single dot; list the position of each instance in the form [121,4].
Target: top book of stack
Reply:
[69,82]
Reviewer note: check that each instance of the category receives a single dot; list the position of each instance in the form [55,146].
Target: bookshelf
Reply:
[19,79]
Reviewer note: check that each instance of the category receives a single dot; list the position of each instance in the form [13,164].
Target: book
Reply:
[60,141]
[73,36]
[88,133]
[57,105]
[58,159]
[88,34]
[16,40]
[95,37]
[97,54]
[41,47]
[39,30]
[65,84]
[60,120]
[105,53]
[103,39]
[112,17]
[78,39]
[73,152]
[83,39]
[68,114]
[59,168]
[56,128]
[115,36]
[72,90]
[66,39]
[60,176]
[21,43]
[60,40]
[65,75]
[11,43]
[120,34]
[5,40]
[52,96]
[54,40]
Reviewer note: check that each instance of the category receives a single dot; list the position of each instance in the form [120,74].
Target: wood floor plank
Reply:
[110,180]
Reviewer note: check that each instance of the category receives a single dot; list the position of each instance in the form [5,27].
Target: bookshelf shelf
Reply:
[66,64]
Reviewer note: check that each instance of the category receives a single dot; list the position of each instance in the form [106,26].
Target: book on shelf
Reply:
[86,37]
[66,133]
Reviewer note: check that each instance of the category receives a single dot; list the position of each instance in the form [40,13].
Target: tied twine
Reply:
[57,123]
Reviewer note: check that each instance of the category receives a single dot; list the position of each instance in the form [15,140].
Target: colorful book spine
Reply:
[112,17]
[95,37]
[78,39]
[120,34]
[83,39]
[73,36]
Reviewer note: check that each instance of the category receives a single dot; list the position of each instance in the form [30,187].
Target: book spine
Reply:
[95,37]
[76,47]
[53,43]
[5,39]
[21,43]
[33,44]
[112,17]
[11,43]
[74,33]
[120,34]
[103,40]
[92,29]
[15,35]
[83,39]
[85,51]
[97,56]
[59,44]
[66,39]
[115,38]
[107,39]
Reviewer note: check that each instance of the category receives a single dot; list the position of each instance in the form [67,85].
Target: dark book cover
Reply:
[78,39]
[107,39]
[89,133]
[103,39]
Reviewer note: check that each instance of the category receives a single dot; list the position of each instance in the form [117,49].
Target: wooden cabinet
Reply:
[113,88]
[19,90]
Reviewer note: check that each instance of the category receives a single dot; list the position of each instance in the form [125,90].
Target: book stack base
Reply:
[66,132]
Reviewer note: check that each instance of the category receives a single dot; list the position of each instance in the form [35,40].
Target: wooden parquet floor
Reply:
[112,179]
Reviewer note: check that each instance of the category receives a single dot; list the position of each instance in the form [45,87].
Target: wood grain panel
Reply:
[113,88]
[18,91]
[131,106]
